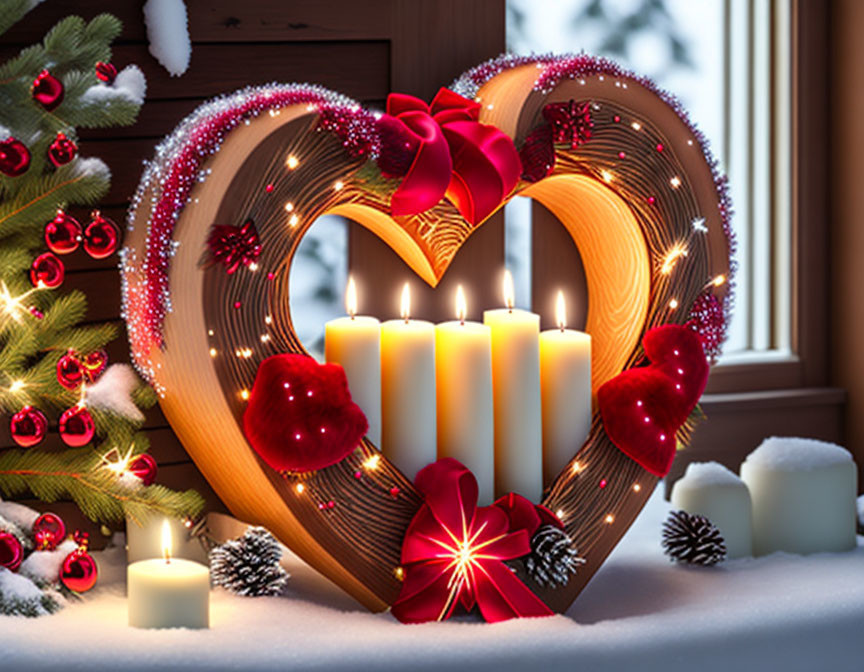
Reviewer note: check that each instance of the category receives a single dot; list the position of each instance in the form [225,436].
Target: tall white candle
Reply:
[463,367]
[565,391]
[168,592]
[516,394]
[408,390]
[354,342]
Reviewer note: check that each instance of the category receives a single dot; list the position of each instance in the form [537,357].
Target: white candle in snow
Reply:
[565,391]
[516,394]
[354,342]
[463,367]
[408,390]
[168,592]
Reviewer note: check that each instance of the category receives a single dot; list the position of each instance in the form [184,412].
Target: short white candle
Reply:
[408,390]
[565,390]
[354,342]
[803,494]
[516,395]
[463,367]
[168,592]
[709,489]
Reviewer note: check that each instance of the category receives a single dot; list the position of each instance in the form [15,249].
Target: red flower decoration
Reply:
[47,90]
[234,245]
[62,150]
[300,415]
[643,408]
[571,122]
[14,157]
[454,552]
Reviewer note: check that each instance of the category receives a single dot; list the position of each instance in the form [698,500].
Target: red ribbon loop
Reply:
[475,165]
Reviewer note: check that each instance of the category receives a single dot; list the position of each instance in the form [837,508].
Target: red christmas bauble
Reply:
[144,467]
[14,157]
[28,427]
[48,91]
[101,237]
[63,234]
[79,571]
[94,364]
[76,426]
[49,530]
[70,371]
[106,72]
[11,551]
[47,271]
[62,150]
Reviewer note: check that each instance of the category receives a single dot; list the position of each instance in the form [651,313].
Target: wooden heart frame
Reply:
[641,200]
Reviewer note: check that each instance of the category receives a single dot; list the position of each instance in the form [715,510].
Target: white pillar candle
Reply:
[803,494]
[516,396]
[709,489]
[168,592]
[408,391]
[354,342]
[565,391]
[463,367]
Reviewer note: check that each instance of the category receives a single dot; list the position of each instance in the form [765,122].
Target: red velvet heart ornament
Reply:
[300,415]
[643,408]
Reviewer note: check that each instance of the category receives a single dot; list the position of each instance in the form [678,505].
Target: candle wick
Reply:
[352,316]
[562,328]
[406,319]
[510,309]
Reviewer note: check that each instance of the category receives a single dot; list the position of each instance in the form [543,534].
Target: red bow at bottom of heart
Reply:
[644,407]
[454,552]
[300,415]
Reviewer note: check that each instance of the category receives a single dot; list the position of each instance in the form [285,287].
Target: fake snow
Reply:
[45,566]
[129,84]
[640,612]
[703,474]
[22,516]
[168,33]
[796,454]
[112,392]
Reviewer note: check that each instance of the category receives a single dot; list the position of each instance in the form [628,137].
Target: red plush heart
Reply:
[300,415]
[643,408]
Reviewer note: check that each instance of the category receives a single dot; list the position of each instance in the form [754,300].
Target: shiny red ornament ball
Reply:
[101,237]
[106,72]
[62,150]
[79,571]
[47,271]
[63,234]
[70,371]
[76,426]
[94,364]
[28,427]
[14,157]
[49,530]
[11,551]
[145,468]
[47,90]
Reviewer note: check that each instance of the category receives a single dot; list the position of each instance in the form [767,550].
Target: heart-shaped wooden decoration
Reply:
[631,182]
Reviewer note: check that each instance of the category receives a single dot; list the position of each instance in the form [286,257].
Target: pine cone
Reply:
[692,539]
[249,565]
[552,560]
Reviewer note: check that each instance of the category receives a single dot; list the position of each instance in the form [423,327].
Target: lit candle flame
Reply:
[166,541]
[560,311]
[405,303]
[509,292]
[351,297]
[461,304]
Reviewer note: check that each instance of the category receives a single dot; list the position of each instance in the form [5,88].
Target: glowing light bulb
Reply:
[636,487]
[673,304]
[338,185]
[560,311]
[636,126]
[719,280]
[351,297]
[578,467]
[461,304]
[672,256]
[508,290]
[675,182]
[606,175]
[213,352]
[17,386]
[244,394]
[405,302]
[293,220]
[609,519]
[289,207]
[299,488]
[167,544]
[292,162]
[372,461]
[560,514]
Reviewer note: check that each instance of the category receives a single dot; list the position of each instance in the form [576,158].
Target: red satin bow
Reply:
[454,551]
[475,165]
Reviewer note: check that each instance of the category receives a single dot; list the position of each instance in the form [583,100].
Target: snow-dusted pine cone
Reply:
[249,565]
[692,539]
[552,560]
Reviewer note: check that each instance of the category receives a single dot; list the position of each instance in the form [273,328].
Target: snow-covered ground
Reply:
[640,612]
